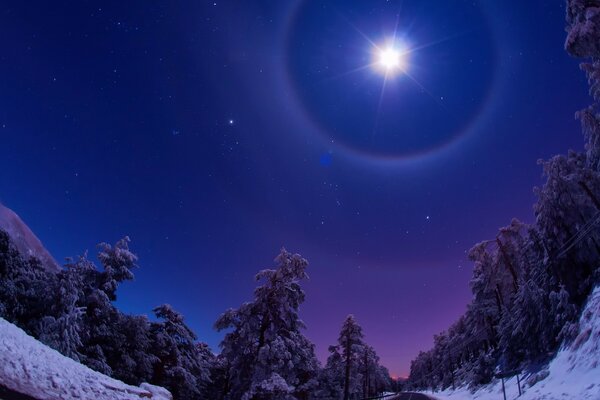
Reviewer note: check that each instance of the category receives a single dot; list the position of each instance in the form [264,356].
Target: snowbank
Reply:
[573,374]
[32,368]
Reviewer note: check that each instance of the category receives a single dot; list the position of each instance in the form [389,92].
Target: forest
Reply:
[264,354]
[531,281]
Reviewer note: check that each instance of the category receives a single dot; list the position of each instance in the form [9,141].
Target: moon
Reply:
[391,60]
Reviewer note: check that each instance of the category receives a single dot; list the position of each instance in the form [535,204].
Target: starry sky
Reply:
[215,132]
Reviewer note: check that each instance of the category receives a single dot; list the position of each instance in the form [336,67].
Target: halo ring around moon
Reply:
[477,118]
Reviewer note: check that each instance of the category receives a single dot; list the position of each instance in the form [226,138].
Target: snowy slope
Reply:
[30,367]
[24,239]
[573,374]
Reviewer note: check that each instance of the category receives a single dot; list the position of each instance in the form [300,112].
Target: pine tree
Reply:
[531,281]
[331,377]
[118,262]
[63,333]
[183,365]
[351,345]
[370,371]
[27,290]
[102,339]
[267,354]
[72,311]
[218,387]
[62,328]
[136,362]
[522,329]
[565,314]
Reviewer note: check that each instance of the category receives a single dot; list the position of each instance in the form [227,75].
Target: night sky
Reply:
[214,133]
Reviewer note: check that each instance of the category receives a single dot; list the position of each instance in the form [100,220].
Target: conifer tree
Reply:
[267,354]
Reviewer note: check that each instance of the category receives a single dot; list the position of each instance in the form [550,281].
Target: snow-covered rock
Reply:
[573,374]
[34,369]
[24,239]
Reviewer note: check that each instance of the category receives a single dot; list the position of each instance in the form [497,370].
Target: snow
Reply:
[30,367]
[24,239]
[573,374]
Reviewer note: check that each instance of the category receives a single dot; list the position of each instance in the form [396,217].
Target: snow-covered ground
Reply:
[573,374]
[32,368]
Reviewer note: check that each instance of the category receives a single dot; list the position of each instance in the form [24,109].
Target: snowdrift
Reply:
[34,369]
[573,374]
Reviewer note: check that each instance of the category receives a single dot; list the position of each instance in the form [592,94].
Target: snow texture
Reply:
[30,367]
[573,374]
[25,240]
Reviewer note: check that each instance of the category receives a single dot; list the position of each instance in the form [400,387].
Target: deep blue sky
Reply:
[213,133]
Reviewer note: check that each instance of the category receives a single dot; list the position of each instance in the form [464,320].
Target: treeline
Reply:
[530,282]
[264,354]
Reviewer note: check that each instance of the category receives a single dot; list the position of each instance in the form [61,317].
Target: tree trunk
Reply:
[347,375]
[590,194]
[366,377]
[511,268]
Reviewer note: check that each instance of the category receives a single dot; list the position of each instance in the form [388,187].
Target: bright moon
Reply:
[391,59]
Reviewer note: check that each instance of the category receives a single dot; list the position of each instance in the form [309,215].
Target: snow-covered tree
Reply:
[118,262]
[61,329]
[102,341]
[267,354]
[522,329]
[352,368]
[72,310]
[368,366]
[351,347]
[489,287]
[136,362]
[183,365]
[530,282]
[422,371]
[564,326]
[375,378]
[26,286]
[331,377]
[583,28]
[567,222]
[62,333]
[218,387]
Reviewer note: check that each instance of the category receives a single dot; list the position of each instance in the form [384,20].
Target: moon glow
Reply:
[391,60]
